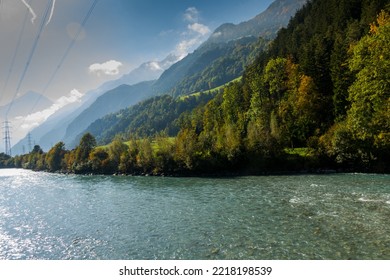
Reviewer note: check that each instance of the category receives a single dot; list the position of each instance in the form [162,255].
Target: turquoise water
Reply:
[51,216]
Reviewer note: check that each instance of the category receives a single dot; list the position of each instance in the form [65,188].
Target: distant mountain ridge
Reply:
[23,105]
[110,102]
[54,128]
[265,25]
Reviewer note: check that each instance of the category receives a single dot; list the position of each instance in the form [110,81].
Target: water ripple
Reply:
[52,216]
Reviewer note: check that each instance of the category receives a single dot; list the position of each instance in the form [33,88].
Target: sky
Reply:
[68,58]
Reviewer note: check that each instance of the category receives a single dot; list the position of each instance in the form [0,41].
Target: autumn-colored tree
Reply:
[54,158]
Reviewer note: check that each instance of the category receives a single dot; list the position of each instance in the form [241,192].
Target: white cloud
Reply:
[199,28]
[217,34]
[154,66]
[35,119]
[191,14]
[185,46]
[195,34]
[110,68]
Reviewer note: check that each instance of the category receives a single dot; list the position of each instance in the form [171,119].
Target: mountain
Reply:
[265,25]
[24,105]
[214,63]
[211,65]
[148,71]
[110,102]
[55,127]
[221,45]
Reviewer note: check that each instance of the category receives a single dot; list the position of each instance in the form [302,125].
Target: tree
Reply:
[186,147]
[115,150]
[5,160]
[363,139]
[99,160]
[55,157]
[145,156]
[275,76]
[87,144]
[369,116]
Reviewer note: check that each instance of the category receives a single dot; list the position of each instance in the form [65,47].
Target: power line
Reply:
[67,51]
[62,60]
[70,46]
[10,70]
[35,44]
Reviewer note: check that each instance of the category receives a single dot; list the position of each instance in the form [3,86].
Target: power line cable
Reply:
[70,46]
[31,54]
[65,55]
[10,70]
[67,51]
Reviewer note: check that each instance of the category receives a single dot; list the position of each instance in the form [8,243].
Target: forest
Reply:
[317,99]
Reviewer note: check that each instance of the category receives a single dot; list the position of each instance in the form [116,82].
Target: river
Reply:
[53,216]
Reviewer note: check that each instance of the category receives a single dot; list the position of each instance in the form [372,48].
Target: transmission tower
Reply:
[29,142]
[7,137]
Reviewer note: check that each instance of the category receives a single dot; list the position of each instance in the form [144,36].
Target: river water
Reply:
[52,216]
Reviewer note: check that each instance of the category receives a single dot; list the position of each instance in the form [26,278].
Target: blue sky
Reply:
[118,36]
[127,31]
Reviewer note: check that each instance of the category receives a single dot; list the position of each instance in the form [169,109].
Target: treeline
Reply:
[6,161]
[157,155]
[319,98]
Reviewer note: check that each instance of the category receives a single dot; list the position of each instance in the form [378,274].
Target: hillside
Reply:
[160,114]
[112,101]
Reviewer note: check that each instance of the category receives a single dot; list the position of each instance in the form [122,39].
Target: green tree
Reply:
[276,77]
[369,116]
[186,147]
[87,144]
[100,162]
[81,162]
[115,150]
[145,157]
[54,158]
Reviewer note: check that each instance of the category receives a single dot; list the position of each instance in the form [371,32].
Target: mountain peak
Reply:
[265,24]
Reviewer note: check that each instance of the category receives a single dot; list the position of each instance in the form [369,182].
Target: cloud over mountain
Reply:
[36,118]
[195,34]
[110,68]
